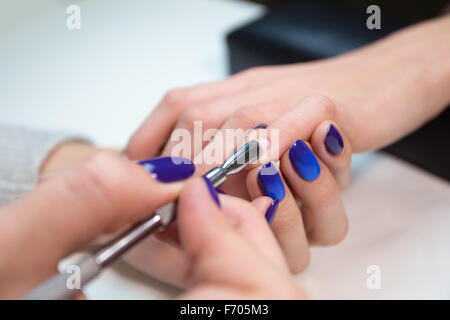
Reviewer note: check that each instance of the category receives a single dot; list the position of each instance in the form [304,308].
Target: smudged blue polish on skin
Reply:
[220,191]
[304,161]
[270,182]
[333,141]
[271,211]
[169,169]
[212,191]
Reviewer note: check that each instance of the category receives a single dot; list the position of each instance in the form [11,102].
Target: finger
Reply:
[332,146]
[151,136]
[233,132]
[101,195]
[309,178]
[152,257]
[232,135]
[80,296]
[247,219]
[287,223]
[290,124]
[300,122]
[211,242]
[241,215]
[214,113]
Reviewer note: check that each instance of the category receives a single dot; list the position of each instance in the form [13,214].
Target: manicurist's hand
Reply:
[230,250]
[233,253]
[100,195]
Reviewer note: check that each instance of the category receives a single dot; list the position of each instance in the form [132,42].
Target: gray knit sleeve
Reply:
[22,152]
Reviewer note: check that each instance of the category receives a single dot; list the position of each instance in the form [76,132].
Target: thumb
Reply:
[225,262]
[203,229]
[217,251]
[102,195]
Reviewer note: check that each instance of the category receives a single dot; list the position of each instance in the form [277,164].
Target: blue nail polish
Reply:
[220,191]
[270,181]
[271,211]
[333,141]
[304,161]
[169,169]
[212,191]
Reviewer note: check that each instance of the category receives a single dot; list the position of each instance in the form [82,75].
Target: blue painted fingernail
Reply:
[333,141]
[169,169]
[220,191]
[304,161]
[270,181]
[212,191]
[271,211]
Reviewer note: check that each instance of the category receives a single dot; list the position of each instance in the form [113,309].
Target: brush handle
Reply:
[58,286]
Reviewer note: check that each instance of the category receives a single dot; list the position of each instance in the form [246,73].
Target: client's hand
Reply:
[315,157]
[376,94]
[233,253]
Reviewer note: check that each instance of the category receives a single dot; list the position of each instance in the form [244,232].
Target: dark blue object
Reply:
[333,141]
[270,181]
[271,211]
[304,161]
[220,191]
[169,169]
[212,191]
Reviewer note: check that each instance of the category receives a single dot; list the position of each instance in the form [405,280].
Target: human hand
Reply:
[106,193]
[380,92]
[370,110]
[99,196]
[233,253]
[313,173]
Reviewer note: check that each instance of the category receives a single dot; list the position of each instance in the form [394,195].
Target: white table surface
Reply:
[104,79]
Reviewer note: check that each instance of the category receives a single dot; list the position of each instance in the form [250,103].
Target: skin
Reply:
[92,200]
[166,260]
[375,95]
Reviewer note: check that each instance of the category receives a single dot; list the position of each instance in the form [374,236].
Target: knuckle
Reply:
[245,117]
[192,114]
[325,104]
[176,98]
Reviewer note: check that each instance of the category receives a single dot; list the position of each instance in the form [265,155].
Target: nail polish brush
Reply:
[90,267]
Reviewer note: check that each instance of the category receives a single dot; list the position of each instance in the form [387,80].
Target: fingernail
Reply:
[271,211]
[220,191]
[212,191]
[304,161]
[270,181]
[333,141]
[169,169]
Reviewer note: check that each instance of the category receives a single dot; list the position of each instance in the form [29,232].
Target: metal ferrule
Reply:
[217,176]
